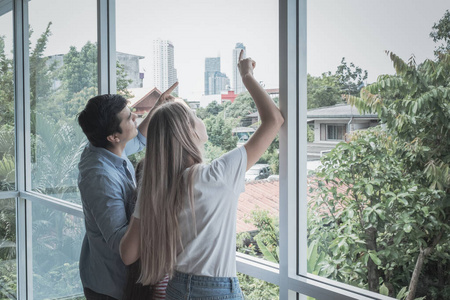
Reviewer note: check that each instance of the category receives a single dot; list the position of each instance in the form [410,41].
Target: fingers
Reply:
[169,90]
[241,55]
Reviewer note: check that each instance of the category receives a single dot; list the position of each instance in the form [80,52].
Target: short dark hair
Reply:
[99,118]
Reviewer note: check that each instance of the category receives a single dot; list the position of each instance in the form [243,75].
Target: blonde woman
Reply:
[184,223]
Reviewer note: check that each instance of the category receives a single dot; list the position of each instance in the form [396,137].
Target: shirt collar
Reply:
[116,160]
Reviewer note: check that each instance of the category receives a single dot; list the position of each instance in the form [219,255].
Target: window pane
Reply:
[57,239]
[374,203]
[253,288]
[7,140]
[8,262]
[63,76]
[199,47]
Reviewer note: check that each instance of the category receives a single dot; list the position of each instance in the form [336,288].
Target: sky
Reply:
[358,30]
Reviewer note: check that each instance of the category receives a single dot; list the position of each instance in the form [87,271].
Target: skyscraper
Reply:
[165,73]
[215,81]
[237,84]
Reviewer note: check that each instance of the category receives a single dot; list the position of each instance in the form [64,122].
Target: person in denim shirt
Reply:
[107,182]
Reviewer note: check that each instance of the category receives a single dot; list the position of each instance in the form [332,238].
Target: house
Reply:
[334,124]
[243,134]
[142,104]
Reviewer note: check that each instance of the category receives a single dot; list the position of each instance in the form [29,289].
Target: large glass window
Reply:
[63,76]
[375,218]
[198,45]
[56,240]
[7,164]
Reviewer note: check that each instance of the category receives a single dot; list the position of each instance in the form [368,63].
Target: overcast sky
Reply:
[359,30]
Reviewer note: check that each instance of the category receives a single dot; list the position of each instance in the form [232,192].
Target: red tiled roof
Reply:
[273,91]
[145,104]
[259,194]
[264,195]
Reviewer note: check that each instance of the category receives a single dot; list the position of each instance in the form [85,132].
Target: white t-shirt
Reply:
[216,191]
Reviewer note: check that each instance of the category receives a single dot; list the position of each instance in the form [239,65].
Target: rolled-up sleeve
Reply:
[136,144]
[107,216]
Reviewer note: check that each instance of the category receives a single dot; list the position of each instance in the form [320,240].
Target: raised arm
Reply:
[165,97]
[270,115]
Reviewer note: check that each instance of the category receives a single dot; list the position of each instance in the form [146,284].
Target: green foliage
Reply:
[212,152]
[242,106]
[6,86]
[351,78]
[441,33]
[212,109]
[323,91]
[79,69]
[122,81]
[396,202]
[372,216]
[327,89]
[41,75]
[310,134]
[220,133]
[266,239]
[254,288]
[8,279]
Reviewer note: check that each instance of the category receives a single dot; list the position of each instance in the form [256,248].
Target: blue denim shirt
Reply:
[106,182]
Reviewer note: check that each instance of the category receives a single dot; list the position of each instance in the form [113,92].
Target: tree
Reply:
[122,81]
[351,78]
[242,106]
[79,70]
[441,33]
[323,91]
[41,74]
[371,211]
[6,86]
[212,109]
[327,89]
[418,117]
[220,133]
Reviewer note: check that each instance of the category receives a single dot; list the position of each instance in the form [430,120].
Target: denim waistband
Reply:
[205,280]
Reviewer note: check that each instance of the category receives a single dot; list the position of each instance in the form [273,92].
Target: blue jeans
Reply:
[185,286]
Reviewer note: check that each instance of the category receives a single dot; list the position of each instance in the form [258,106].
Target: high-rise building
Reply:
[237,83]
[215,81]
[164,70]
[212,65]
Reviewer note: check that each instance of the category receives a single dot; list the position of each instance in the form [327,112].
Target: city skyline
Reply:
[335,29]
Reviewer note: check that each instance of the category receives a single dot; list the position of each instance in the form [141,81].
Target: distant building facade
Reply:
[237,84]
[165,73]
[215,81]
[212,65]
[130,63]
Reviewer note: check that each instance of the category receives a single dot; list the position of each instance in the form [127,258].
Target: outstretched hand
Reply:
[245,65]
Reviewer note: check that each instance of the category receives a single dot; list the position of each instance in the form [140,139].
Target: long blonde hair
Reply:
[172,147]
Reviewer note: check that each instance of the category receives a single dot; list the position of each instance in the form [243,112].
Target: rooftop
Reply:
[338,111]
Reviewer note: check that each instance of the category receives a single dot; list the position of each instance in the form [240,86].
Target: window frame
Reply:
[290,275]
